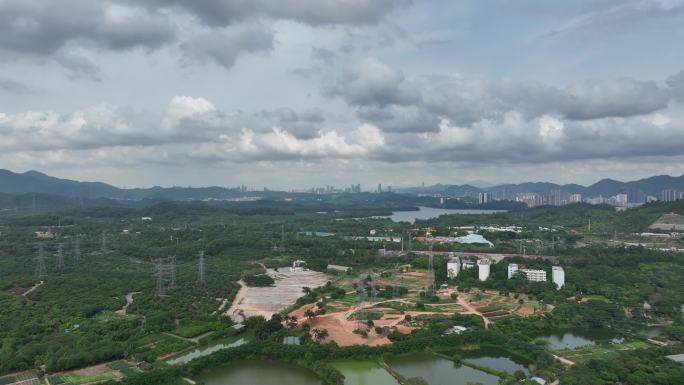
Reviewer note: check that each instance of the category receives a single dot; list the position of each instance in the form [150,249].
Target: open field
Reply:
[266,301]
[610,351]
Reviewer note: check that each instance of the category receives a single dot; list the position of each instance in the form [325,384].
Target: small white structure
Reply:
[558,276]
[484,268]
[453,267]
[467,264]
[146,219]
[298,266]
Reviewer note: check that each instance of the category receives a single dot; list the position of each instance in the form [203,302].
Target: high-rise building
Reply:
[512,269]
[379,187]
[575,198]
[558,276]
[453,267]
[484,197]
[483,265]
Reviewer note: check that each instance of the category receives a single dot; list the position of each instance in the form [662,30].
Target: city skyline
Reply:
[394,91]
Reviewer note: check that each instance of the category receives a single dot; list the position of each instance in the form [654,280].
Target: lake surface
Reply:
[253,372]
[364,373]
[495,359]
[429,213]
[574,338]
[185,358]
[439,371]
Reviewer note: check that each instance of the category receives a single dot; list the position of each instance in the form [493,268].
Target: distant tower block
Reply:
[483,265]
[558,276]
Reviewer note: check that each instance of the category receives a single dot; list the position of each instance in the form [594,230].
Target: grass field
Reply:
[607,352]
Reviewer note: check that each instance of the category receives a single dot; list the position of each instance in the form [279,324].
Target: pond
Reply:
[364,373]
[439,371]
[495,359]
[185,358]
[254,372]
[572,339]
[430,212]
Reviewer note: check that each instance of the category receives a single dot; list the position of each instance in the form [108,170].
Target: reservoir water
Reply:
[495,359]
[430,212]
[254,372]
[439,371]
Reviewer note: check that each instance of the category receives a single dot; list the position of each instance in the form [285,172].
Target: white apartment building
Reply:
[558,276]
[453,267]
[483,265]
[531,275]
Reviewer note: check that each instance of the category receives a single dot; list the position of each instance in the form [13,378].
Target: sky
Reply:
[301,93]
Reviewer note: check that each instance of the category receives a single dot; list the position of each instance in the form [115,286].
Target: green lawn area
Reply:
[194,329]
[610,351]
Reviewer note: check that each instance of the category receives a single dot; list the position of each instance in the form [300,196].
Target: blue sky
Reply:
[303,93]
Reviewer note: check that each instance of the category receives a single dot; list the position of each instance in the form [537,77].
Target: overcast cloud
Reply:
[300,93]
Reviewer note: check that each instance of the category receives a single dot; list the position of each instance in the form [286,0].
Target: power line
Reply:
[161,290]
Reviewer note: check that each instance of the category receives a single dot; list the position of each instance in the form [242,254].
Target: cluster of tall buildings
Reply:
[455,266]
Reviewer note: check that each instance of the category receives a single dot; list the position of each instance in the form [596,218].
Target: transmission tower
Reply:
[360,290]
[161,289]
[77,248]
[201,270]
[40,262]
[172,271]
[431,273]
[395,291]
[104,243]
[60,256]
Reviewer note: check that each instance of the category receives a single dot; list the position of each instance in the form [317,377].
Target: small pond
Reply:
[439,371]
[364,373]
[571,339]
[254,372]
[201,352]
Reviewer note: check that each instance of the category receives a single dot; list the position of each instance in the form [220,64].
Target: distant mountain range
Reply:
[33,182]
[605,187]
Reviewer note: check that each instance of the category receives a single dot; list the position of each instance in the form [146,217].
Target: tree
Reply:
[320,334]
[309,314]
